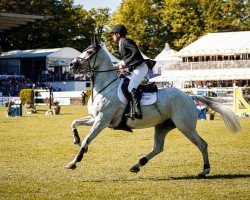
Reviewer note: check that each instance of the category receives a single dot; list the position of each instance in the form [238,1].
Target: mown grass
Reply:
[34,150]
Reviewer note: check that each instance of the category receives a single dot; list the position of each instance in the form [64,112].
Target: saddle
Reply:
[143,88]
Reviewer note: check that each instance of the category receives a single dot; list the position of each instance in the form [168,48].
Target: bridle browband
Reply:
[91,72]
[91,69]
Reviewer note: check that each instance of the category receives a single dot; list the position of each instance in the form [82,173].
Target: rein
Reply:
[92,83]
[92,79]
[110,70]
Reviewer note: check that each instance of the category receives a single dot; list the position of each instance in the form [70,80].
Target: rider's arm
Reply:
[132,53]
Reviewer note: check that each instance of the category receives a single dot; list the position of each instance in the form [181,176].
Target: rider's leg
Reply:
[137,77]
[136,104]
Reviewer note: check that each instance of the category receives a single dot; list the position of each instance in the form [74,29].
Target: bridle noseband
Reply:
[90,71]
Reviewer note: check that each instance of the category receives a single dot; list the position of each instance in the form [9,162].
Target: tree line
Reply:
[151,23]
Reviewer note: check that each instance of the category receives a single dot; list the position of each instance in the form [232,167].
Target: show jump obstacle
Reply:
[43,97]
[240,104]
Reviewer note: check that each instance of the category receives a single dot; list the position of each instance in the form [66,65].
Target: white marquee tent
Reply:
[33,62]
[144,56]
[167,56]
[54,57]
[114,60]
[203,75]
[62,56]
[219,44]
[227,43]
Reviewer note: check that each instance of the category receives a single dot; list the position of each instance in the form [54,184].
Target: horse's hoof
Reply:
[134,169]
[71,166]
[201,175]
[204,173]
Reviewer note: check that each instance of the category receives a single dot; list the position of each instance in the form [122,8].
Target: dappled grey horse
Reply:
[173,109]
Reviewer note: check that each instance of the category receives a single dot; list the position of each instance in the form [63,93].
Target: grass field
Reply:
[34,150]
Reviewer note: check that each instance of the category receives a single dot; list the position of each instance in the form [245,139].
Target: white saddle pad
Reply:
[147,98]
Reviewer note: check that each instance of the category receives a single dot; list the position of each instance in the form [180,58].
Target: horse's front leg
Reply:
[99,124]
[87,121]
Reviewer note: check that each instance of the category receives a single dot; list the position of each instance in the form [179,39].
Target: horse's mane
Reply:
[105,55]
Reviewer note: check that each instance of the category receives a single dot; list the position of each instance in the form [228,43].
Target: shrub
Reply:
[87,94]
[27,96]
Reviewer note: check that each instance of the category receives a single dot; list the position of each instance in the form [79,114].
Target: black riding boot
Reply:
[136,104]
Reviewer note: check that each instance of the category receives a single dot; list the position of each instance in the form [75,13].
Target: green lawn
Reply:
[34,150]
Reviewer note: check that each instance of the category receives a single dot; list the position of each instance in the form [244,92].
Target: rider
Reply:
[133,60]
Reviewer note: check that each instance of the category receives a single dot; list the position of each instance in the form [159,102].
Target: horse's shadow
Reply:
[224,176]
[219,176]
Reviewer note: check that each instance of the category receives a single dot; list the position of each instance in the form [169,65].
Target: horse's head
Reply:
[87,61]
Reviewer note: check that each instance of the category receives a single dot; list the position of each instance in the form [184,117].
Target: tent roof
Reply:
[113,58]
[167,54]
[65,52]
[10,22]
[55,57]
[203,75]
[144,56]
[224,43]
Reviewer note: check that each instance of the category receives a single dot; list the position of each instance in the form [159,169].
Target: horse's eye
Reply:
[90,51]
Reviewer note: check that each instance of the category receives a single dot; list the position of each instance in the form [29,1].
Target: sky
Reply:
[88,4]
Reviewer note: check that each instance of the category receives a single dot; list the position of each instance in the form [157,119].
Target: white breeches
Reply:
[137,76]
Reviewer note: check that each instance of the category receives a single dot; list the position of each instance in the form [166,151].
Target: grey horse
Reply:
[173,109]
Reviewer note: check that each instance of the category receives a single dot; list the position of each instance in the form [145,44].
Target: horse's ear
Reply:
[94,41]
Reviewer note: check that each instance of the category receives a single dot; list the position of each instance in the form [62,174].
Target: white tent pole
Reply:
[234,97]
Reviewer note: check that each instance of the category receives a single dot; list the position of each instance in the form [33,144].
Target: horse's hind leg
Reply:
[194,137]
[159,138]
[87,121]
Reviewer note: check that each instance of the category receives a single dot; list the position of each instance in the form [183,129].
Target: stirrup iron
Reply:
[131,114]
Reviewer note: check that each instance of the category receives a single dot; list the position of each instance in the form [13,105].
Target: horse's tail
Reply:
[229,117]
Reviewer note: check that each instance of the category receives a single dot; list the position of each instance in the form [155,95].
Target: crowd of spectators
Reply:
[10,85]
[52,76]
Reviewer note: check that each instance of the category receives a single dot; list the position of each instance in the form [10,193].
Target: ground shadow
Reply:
[223,176]
[219,176]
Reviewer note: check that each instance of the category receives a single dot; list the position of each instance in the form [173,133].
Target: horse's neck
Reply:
[102,79]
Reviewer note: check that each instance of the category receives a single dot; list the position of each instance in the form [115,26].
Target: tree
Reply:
[151,23]
[143,20]
[188,20]
[184,21]
[100,17]
[69,26]
[225,15]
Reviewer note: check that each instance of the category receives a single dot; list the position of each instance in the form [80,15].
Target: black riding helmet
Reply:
[119,28]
